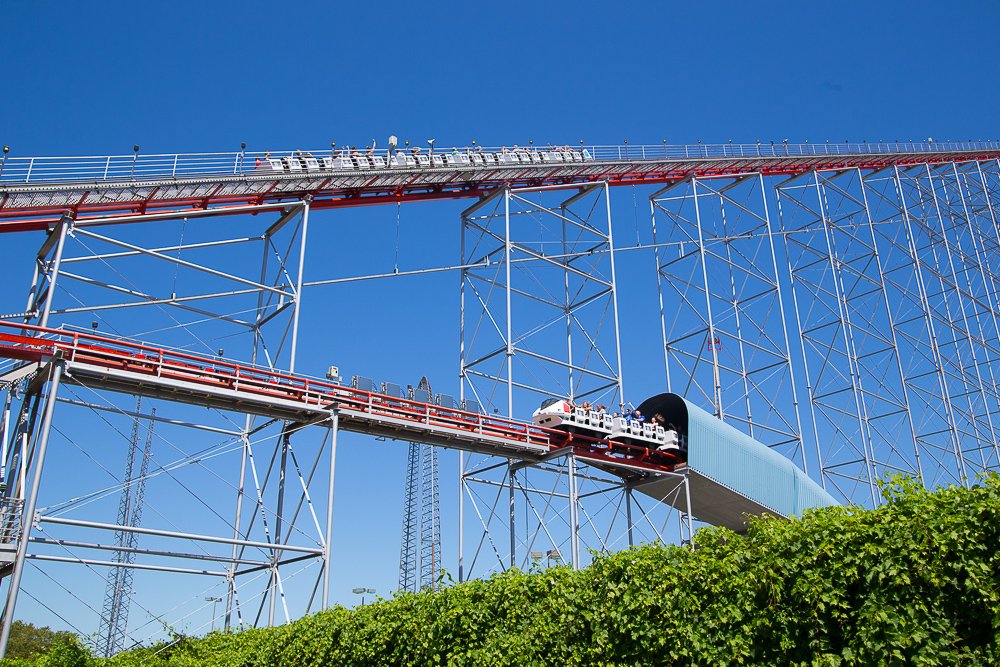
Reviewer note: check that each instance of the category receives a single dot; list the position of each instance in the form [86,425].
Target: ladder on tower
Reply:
[420,549]
[118,593]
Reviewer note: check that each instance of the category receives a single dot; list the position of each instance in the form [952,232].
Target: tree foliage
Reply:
[28,641]
[916,581]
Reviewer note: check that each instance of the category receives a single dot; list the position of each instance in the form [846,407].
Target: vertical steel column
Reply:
[298,285]
[240,489]
[507,295]
[513,534]
[659,290]
[571,387]
[690,509]
[461,398]
[328,535]
[461,516]
[54,271]
[628,509]
[614,297]
[574,519]
[279,515]
[717,383]
[510,362]
[932,331]
[28,513]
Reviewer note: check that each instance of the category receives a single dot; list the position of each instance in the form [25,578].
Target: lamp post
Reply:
[214,601]
[135,156]
[362,591]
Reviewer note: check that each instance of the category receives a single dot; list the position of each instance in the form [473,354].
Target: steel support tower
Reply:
[725,338]
[420,547]
[540,260]
[202,287]
[838,302]
[118,596]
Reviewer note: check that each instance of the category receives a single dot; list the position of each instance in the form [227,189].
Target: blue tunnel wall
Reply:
[736,461]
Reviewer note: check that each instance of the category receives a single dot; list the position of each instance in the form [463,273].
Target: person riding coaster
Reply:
[561,414]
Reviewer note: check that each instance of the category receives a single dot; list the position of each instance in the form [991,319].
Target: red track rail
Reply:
[160,366]
[36,206]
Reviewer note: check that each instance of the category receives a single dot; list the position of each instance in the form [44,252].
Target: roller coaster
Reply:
[844,208]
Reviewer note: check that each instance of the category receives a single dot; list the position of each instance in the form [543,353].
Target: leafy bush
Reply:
[916,581]
[29,641]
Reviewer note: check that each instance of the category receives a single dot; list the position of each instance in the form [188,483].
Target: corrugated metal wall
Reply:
[737,461]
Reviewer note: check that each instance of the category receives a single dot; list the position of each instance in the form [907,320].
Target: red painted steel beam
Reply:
[32,343]
[326,193]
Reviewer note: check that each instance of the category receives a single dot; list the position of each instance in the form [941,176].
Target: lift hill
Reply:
[36,192]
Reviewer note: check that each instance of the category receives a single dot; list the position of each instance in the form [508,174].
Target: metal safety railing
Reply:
[141,167]
[23,341]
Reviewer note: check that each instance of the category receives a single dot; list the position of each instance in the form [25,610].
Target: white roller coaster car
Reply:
[556,413]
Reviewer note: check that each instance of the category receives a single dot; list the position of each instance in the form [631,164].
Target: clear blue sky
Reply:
[82,78]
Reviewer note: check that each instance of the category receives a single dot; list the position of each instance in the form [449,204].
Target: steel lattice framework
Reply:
[420,548]
[897,311]
[538,259]
[723,319]
[840,303]
[118,596]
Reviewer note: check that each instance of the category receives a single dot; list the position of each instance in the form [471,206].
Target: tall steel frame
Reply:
[536,260]
[228,287]
[897,310]
[118,594]
[539,318]
[420,547]
[894,299]
[854,374]
[962,306]
[725,339]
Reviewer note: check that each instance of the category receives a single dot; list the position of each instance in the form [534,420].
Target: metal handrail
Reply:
[138,167]
[73,344]
[89,348]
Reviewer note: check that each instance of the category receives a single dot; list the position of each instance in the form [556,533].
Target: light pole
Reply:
[214,601]
[362,591]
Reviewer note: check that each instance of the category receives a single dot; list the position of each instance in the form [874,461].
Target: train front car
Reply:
[557,413]
[560,414]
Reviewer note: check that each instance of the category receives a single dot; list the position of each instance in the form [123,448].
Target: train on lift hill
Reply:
[560,414]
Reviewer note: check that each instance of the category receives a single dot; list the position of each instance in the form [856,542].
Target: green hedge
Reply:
[914,582]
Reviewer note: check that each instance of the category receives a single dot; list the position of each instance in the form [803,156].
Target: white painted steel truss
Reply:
[537,262]
[208,286]
[886,278]
[895,298]
[725,339]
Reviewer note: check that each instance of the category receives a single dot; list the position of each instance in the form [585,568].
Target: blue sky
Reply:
[190,77]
